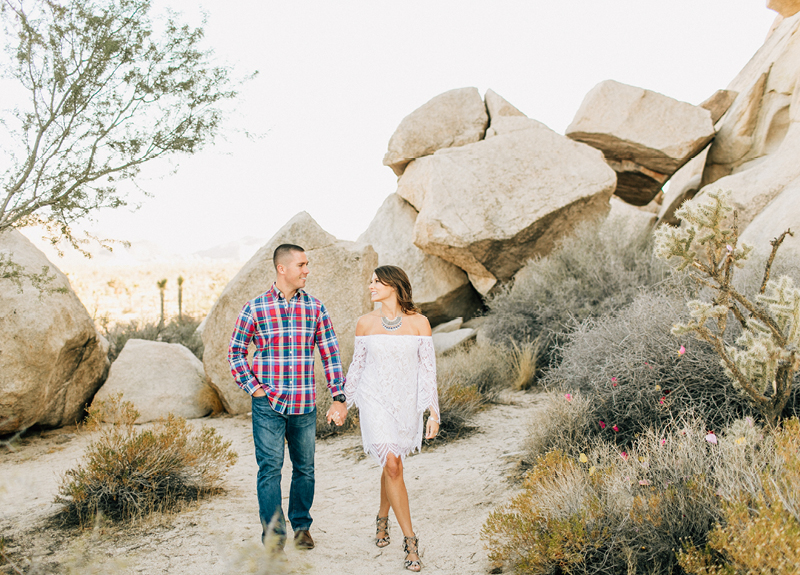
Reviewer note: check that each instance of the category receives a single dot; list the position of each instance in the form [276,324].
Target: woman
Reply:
[392,381]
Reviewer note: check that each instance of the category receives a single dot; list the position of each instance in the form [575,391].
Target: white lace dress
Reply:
[392,381]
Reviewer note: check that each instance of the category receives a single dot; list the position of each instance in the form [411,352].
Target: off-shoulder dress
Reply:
[392,381]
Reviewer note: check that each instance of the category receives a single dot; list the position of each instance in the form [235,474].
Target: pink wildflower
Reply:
[602,424]
[644,482]
[663,442]
[568,396]
[615,428]
[711,438]
[661,401]
[614,382]
[623,455]
[682,350]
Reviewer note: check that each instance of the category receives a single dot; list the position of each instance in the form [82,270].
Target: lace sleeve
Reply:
[355,371]
[427,394]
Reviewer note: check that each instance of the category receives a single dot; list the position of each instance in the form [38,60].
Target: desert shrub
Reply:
[590,273]
[564,423]
[763,361]
[637,375]
[182,331]
[468,378]
[128,472]
[760,527]
[607,511]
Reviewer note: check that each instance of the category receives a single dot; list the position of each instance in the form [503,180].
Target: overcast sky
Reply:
[336,78]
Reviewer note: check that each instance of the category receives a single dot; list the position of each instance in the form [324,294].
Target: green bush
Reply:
[182,331]
[131,471]
[634,376]
[609,511]
[588,274]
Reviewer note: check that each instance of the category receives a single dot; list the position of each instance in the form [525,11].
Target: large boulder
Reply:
[158,379]
[488,207]
[781,214]
[645,136]
[683,186]
[627,221]
[340,273]
[498,106]
[758,121]
[52,360]
[452,119]
[786,8]
[441,290]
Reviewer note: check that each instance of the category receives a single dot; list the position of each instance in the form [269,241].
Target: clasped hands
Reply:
[337,413]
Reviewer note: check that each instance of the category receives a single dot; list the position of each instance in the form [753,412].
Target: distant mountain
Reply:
[239,250]
[142,252]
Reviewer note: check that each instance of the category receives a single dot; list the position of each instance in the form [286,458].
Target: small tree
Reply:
[102,94]
[180,298]
[764,359]
[162,287]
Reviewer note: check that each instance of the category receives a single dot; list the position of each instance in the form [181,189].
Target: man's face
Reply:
[295,270]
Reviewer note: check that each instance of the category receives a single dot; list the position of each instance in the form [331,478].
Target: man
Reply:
[285,323]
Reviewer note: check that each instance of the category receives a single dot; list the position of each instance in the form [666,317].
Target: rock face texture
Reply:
[340,273]
[52,360]
[683,186]
[627,220]
[755,152]
[440,289]
[645,136]
[779,215]
[498,106]
[452,119]
[488,207]
[158,379]
[785,8]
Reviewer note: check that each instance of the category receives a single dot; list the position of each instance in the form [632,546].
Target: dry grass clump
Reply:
[760,527]
[638,375]
[182,331]
[589,274]
[606,511]
[470,377]
[129,472]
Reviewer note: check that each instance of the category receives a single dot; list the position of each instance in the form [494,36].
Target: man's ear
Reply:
[280,268]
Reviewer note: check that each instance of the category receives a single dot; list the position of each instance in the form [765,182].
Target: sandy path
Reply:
[452,489]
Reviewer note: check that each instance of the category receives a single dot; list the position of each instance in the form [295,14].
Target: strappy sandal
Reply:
[411,545]
[382,524]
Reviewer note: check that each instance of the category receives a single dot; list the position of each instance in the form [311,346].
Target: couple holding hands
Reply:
[392,381]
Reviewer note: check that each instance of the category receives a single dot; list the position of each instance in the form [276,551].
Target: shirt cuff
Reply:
[252,386]
[337,388]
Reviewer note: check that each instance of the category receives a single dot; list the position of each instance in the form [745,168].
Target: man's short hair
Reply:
[282,252]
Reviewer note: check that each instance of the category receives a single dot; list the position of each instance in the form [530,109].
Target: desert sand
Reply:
[452,489]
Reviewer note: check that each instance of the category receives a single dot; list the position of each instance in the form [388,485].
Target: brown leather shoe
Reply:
[303,540]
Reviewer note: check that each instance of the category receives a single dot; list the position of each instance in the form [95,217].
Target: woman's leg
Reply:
[383,510]
[397,495]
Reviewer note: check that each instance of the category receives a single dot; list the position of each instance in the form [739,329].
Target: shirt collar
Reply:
[277,294]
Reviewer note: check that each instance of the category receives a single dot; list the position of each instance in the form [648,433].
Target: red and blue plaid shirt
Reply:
[285,334]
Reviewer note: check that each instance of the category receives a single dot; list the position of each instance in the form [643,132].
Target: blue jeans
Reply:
[269,430]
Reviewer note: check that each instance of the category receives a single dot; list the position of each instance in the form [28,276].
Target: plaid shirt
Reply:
[283,364]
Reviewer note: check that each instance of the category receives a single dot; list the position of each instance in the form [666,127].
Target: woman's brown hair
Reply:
[396,278]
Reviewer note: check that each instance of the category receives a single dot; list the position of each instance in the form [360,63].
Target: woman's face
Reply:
[379,291]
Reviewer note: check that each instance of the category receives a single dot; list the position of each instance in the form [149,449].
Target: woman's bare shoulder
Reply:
[420,323]
[365,322]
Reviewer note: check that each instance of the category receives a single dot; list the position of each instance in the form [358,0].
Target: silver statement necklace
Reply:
[391,324]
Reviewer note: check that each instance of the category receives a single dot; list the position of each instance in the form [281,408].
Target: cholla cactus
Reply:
[765,357]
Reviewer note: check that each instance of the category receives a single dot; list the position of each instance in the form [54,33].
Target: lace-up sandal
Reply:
[382,526]
[411,545]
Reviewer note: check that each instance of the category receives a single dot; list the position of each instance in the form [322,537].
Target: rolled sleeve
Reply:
[329,351]
[237,351]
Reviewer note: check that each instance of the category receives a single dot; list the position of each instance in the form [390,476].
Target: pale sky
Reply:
[336,78]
